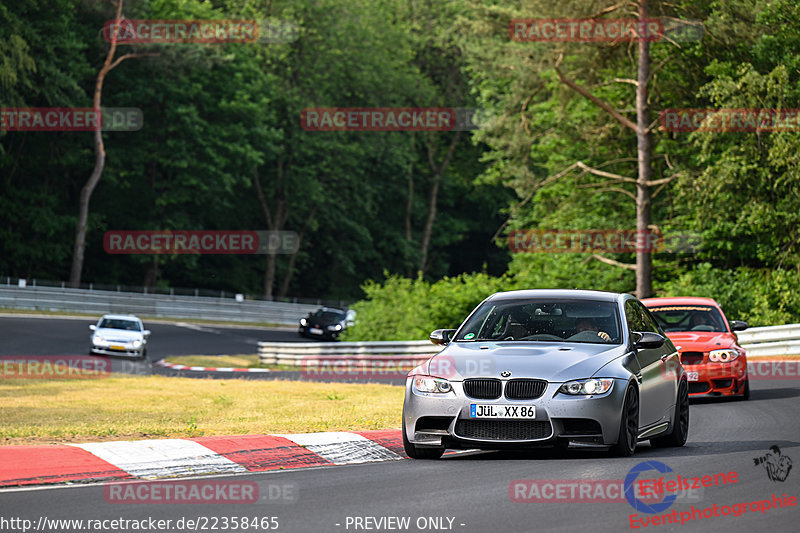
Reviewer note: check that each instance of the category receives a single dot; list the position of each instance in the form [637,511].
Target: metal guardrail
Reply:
[311,353]
[759,342]
[771,341]
[154,305]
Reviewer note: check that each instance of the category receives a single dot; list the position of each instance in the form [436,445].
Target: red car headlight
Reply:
[723,356]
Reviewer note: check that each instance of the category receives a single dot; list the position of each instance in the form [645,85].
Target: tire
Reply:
[680,427]
[417,452]
[746,394]
[628,426]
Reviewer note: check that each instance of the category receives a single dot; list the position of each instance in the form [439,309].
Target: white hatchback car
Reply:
[119,335]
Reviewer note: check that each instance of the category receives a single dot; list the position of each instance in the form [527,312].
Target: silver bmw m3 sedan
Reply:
[567,368]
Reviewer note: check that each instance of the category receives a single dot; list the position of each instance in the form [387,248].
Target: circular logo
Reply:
[638,504]
[505,373]
[469,336]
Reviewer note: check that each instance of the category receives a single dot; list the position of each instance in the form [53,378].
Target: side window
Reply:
[634,317]
[649,322]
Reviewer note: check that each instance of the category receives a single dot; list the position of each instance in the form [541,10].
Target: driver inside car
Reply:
[701,319]
[587,325]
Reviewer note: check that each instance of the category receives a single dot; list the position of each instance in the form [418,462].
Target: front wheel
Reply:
[628,426]
[746,394]
[417,452]
[680,425]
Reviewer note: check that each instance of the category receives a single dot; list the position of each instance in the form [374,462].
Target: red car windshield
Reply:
[689,318]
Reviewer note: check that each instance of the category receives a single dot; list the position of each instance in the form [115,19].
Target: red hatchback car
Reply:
[715,363]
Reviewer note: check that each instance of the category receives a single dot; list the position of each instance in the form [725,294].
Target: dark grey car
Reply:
[549,367]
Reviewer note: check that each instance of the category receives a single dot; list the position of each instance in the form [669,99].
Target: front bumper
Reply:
[444,419]
[717,379]
[129,351]
[304,331]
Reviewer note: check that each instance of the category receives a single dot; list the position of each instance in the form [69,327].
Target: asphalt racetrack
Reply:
[467,492]
[470,492]
[36,336]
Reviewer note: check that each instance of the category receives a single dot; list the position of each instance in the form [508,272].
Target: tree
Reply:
[81,225]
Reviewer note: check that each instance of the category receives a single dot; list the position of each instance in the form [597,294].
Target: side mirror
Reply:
[146,333]
[92,327]
[441,337]
[647,340]
[738,325]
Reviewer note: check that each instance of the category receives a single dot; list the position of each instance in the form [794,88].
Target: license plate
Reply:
[315,331]
[477,410]
[117,347]
[692,376]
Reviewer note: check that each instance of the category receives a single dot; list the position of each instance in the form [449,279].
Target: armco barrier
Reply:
[155,305]
[298,353]
[759,342]
[771,341]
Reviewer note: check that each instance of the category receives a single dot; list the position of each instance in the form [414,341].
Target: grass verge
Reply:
[134,407]
[226,361]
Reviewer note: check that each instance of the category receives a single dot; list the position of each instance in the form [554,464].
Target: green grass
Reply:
[226,361]
[135,407]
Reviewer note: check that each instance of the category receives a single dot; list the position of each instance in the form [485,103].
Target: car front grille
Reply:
[525,389]
[482,389]
[691,358]
[503,429]
[722,383]
[695,388]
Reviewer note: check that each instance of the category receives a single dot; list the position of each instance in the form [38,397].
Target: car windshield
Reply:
[328,316]
[585,321]
[116,323]
[688,318]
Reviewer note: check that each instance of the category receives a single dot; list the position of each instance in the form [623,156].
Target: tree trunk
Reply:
[81,226]
[433,195]
[269,276]
[274,223]
[290,266]
[644,258]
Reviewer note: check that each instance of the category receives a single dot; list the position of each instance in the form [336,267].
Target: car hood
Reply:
[701,341]
[555,362]
[119,334]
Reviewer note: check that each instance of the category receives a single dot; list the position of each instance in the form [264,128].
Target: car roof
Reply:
[122,317]
[680,300]
[576,294]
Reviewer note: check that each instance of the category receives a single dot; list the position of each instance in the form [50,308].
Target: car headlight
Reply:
[98,338]
[137,344]
[337,327]
[303,322]
[431,384]
[587,386]
[723,356]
